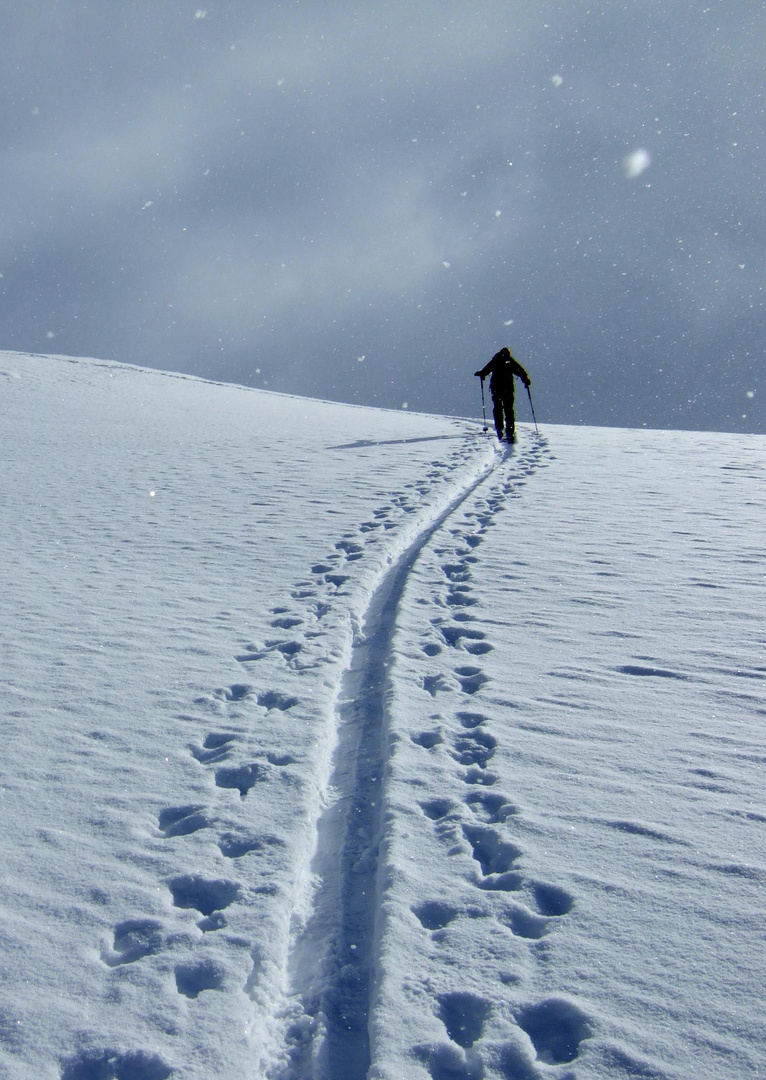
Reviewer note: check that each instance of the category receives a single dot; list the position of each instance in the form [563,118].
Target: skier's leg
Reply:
[497,413]
[510,418]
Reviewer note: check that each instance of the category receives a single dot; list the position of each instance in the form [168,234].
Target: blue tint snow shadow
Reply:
[360,444]
[657,673]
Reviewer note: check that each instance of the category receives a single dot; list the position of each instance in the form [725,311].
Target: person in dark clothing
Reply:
[502,370]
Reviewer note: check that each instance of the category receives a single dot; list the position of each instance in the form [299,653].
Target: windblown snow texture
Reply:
[345,743]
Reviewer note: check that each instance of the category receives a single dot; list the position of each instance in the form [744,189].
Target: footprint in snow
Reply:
[236,692]
[459,596]
[510,881]
[471,679]
[446,1061]
[133,940]
[454,635]
[241,778]
[281,759]
[286,622]
[216,921]
[464,1016]
[478,648]
[489,807]
[427,739]
[476,748]
[435,683]
[216,746]
[251,656]
[471,720]
[437,809]
[456,572]
[275,699]
[556,1027]
[303,592]
[483,777]
[182,820]
[435,914]
[493,854]
[194,977]
[288,649]
[99,1063]
[525,923]
[234,846]
[338,580]
[205,895]
[552,900]
[351,549]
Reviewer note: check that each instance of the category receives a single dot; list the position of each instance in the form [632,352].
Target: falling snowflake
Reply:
[634,164]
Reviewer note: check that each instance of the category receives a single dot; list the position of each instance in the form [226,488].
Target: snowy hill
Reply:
[340,742]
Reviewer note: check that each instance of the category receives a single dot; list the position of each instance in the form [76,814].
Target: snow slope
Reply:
[342,742]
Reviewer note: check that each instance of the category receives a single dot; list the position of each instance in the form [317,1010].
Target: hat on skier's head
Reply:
[504,354]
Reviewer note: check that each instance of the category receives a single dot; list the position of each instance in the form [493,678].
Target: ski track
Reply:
[333,958]
[319,1027]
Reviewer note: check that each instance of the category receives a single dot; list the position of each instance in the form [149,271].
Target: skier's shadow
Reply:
[360,444]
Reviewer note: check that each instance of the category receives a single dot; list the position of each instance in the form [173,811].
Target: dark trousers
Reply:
[502,412]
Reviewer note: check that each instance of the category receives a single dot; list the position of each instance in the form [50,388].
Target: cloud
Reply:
[290,187]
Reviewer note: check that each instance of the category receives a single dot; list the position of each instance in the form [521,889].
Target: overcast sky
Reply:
[364,201]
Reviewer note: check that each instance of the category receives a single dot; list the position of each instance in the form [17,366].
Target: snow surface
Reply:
[341,742]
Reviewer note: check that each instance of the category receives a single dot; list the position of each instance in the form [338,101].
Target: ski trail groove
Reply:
[332,960]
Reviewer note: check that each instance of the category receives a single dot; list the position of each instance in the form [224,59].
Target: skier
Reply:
[502,368]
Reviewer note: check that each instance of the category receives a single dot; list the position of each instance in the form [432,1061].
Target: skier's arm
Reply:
[484,371]
[519,370]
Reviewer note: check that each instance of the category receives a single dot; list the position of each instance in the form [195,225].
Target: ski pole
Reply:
[529,393]
[483,408]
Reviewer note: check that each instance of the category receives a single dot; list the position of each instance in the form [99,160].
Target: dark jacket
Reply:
[502,368]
